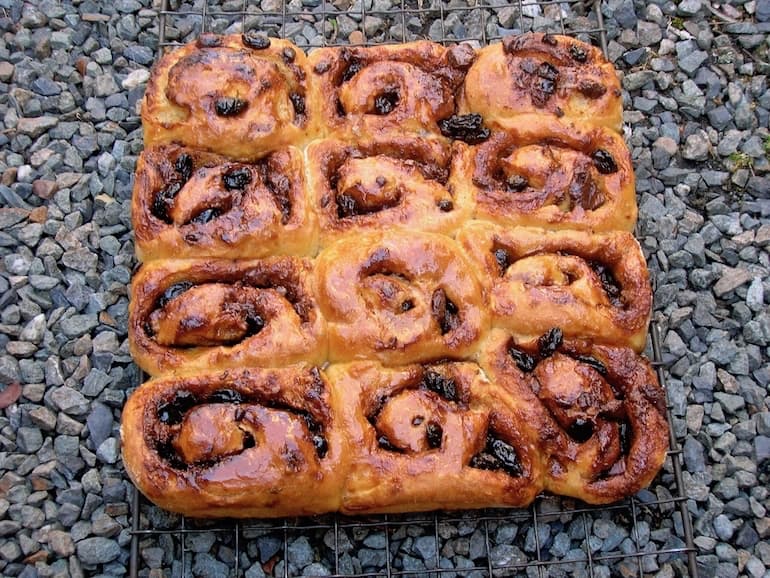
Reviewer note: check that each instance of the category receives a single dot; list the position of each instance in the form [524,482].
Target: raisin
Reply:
[248,440]
[184,166]
[604,162]
[592,89]
[581,430]
[437,383]
[288,55]
[256,40]
[163,202]
[386,102]
[206,216]
[298,101]
[225,396]
[625,438]
[320,444]
[237,179]
[228,106]
[172,292]
[503,260]
[173,412]
[407,305]
[517,183]
[609,283]
[353,68]
[549,342]
[578,53]
[417,420]
[445,205]
[435,434]
[209,41]
[524,361]
[583,191]
[346,206]
[254,324]
[592,362]
[468,128]
[322,67]
[549,40]
[548,71]
[498,455]
[385,444]
[444,311]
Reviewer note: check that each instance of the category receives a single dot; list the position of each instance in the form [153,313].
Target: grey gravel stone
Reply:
[92,551]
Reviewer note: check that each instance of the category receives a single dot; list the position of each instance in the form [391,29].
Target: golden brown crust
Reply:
[192,204]
[417,437]
[595,413]
[238,443]
[375,185]
[536,171]
[205,315]
[593,286]
[399,297]
[388,90]
[226,95]
[546,74]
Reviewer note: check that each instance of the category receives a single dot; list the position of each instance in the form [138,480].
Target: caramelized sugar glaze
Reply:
[402,276]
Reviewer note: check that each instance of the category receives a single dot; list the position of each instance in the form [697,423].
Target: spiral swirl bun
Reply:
[200,443]
[377,185]
[399,298]
[198,315]
[546,74]
[388,90]
[189,204]
[593,286]
[417,428]
[596,413]
[230,95]
[561,175]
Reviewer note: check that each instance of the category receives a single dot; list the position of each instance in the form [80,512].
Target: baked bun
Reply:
[596,414]
[239,443]
[201,315]
[421,438]
[190,204]
[593,286]
[547,74]
[240,95]
[399,297]
[388,90]
[536,171]
[376,185]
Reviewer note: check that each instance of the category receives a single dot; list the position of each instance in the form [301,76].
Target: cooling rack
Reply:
[555,536]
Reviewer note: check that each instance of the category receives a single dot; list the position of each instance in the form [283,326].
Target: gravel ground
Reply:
[698,104]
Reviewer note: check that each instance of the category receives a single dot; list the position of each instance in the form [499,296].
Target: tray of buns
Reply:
[387,279]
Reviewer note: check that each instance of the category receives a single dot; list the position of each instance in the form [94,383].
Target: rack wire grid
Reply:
[555,536]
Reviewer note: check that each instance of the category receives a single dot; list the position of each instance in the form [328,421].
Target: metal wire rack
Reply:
[529,542]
